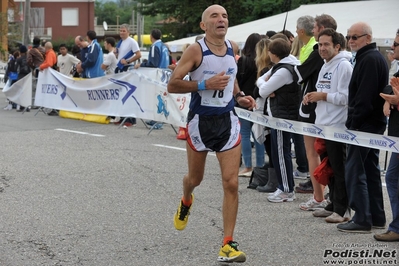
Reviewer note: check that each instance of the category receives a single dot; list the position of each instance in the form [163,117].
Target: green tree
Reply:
[182,17]
[186,14]
[106,12]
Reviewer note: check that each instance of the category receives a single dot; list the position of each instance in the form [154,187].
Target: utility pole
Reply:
[26,28]
[140,25]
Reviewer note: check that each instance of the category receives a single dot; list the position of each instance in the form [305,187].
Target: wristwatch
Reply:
[239,94]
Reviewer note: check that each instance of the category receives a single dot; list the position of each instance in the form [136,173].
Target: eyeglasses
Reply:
[395,44]
[354,37]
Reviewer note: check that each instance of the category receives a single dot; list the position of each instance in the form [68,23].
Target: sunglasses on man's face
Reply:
[395,44]
[354,37]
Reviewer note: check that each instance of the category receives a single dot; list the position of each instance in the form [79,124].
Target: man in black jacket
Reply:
[365,113]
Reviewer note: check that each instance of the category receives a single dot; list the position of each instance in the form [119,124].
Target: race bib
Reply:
[217,98]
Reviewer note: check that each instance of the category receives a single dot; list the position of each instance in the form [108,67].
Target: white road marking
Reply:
[79,132]
[177,148]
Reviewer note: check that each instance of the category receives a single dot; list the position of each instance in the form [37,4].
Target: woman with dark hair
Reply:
[246,77]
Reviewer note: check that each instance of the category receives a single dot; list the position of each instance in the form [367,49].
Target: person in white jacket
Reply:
[332,110]
[283,99]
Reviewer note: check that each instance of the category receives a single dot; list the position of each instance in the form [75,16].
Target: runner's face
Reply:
[215,21]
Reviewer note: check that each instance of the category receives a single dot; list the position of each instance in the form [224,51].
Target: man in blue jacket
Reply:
[159,53]
[91,66]
[158,57]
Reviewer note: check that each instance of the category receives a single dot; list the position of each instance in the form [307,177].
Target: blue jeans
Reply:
[246,148]
[392,180]
[300,153]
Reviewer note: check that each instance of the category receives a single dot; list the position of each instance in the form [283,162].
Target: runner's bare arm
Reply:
[190,59]
[245,101]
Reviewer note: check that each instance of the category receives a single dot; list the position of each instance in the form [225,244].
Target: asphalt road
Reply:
[108,198]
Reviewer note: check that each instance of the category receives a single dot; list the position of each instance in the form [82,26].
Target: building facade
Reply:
[57,19]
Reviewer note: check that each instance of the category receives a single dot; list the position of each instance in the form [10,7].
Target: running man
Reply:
[212,123]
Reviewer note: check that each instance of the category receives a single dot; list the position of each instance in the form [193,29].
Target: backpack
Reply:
[23,68]
[259,177]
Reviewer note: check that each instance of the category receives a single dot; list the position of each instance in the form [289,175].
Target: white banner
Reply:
[344,135]
[20,92]
[138,93]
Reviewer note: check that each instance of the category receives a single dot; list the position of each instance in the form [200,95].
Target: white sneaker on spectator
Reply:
[275,192]
[301,175]
[312,205]
[281,196]
[8,107]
